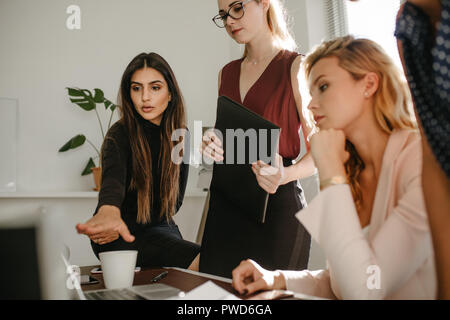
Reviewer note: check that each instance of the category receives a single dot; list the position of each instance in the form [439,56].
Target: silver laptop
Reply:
[154,291]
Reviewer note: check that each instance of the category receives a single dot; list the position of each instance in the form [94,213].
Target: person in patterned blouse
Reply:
[423,34]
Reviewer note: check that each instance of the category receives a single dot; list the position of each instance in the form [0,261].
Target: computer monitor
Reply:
[30,256]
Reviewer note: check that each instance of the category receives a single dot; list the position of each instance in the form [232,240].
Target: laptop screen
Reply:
[30,255]
[19,268]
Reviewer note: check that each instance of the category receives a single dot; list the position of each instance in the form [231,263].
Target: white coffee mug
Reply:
[118,268]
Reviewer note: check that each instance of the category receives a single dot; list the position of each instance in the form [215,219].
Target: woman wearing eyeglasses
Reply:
[265,81]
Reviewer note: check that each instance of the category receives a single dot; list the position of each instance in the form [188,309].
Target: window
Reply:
[374,20]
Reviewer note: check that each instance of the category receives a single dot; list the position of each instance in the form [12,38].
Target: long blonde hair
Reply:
[392,100]
[277,19]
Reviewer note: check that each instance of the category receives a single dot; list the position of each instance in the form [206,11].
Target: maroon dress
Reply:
[229,236]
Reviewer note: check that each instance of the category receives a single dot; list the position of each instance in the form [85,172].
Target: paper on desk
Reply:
[209,291]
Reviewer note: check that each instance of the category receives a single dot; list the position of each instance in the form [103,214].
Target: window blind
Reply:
[336,19]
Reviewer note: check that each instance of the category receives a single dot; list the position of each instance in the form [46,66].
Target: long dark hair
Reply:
[173,118]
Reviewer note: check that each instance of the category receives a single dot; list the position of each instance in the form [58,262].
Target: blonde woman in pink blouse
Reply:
[369,218]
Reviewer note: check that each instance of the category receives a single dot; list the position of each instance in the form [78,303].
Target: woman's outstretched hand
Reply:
[250,277]
[106,226]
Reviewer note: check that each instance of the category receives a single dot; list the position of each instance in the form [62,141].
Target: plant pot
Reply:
[97,172]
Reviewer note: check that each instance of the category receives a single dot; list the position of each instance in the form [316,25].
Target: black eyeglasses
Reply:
[236,11]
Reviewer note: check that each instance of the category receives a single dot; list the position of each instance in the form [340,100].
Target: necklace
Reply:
[254,62]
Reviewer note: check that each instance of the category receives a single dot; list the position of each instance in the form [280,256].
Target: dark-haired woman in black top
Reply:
[143,184]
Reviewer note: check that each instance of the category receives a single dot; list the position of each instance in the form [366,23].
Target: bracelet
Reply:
[333,181]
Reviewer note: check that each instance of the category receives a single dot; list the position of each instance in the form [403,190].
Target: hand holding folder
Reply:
[269,177]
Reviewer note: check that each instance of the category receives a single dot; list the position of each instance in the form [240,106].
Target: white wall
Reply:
[39,57]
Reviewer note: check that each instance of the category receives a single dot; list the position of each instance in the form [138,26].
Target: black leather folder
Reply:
[243,131]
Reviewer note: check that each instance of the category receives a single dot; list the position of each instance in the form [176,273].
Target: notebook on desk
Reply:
[247,137]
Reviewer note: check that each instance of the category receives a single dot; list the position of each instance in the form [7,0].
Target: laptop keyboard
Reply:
[156,291]
[118,294]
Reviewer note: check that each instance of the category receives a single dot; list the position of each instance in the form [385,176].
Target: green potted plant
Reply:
[88,101]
